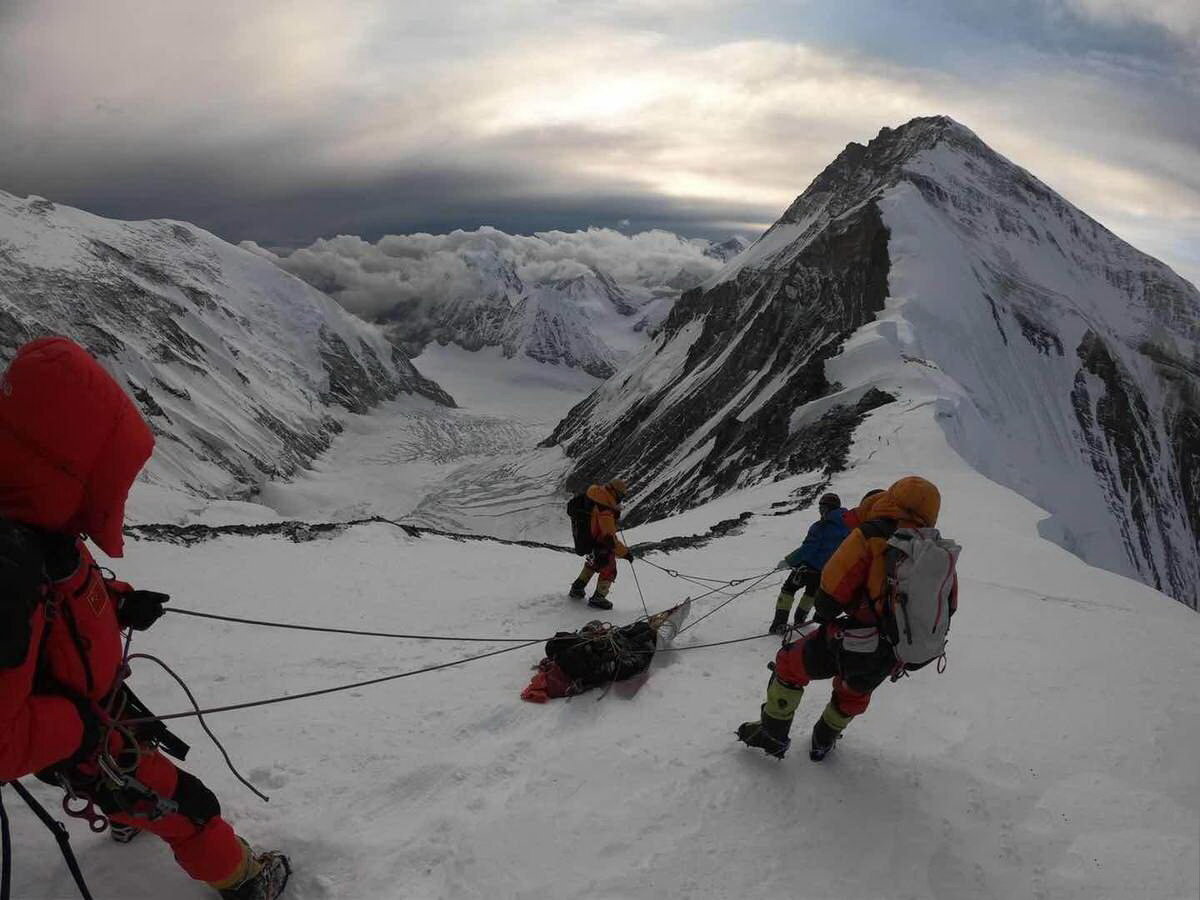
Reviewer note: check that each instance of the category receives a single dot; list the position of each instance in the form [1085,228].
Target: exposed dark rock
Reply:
[783,325]
[146,401]
[176,392]
[1041,336]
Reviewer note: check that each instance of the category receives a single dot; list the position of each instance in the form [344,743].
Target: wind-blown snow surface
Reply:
[584,299]
[242,370]
[1064,363]
[1055,758]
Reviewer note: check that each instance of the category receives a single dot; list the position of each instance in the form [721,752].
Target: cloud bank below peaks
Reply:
[414,274]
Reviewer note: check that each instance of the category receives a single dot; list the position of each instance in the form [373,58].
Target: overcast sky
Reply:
[282,121]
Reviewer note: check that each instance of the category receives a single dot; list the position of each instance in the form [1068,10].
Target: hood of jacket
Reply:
[71,443]
[911,501]
[602,494]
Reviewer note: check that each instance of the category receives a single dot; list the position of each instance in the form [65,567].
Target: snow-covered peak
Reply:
[1067,363]
[240,369]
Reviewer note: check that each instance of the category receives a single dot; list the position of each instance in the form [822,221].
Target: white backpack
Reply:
[921,578]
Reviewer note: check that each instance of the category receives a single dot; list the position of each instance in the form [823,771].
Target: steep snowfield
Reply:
[242,370]
[1055,758]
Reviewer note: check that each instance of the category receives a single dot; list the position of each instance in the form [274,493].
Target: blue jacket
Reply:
[824,537]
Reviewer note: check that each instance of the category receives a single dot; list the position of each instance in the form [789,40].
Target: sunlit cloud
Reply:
[284,121]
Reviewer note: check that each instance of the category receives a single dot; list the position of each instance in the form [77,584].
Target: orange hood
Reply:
[600,493]
[71,443]
[910,500]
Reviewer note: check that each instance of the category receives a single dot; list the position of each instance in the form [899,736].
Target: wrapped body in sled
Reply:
[600,654]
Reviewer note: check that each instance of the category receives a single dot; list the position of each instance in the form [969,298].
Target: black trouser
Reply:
[803,577]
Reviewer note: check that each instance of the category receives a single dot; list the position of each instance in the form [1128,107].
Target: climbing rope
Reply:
[323,691]
[329,630]
[675,573]
[725,603]
[742,640]
[722,585]
[203,724]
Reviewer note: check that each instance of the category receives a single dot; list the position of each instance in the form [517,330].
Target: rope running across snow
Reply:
[352,631]
[518,644]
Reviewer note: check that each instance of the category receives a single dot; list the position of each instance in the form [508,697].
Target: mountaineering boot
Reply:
[122,834]
[767,734]
[780,623]
[599,598]
[579,585]
[269,874]
[824,737]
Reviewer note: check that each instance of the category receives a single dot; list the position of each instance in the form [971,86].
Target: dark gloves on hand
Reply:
[140,609]
[630,554]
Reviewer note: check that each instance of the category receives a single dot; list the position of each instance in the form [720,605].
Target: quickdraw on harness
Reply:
[113,787]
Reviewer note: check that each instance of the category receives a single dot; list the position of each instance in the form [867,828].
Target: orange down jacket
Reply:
[855,576]
[606,513]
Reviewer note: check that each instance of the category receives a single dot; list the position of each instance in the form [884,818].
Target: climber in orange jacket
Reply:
[607,547]
[846,646]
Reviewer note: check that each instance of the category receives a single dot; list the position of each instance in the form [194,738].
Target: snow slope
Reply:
[1065,363]
[242,371]
[1055,758]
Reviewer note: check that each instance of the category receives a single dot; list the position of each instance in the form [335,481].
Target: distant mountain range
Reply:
[584,299]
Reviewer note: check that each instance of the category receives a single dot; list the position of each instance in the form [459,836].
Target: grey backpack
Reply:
[921,580]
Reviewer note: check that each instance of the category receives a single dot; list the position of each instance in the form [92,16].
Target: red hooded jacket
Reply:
[71,444]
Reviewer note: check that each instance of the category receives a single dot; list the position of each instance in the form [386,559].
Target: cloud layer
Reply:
[282,121]
[420,271]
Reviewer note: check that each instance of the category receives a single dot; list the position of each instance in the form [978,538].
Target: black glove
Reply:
[825,608]
[630,554]
[140,609]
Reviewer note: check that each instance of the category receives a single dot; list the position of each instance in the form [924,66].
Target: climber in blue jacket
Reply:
[806,561]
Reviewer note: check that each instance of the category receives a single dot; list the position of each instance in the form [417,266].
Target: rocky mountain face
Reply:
[727,249]
[239,368]
[1062,362]
[585,321]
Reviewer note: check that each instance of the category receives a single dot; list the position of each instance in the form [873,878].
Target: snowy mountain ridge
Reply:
[241,370]
[1064,363]
[582,299]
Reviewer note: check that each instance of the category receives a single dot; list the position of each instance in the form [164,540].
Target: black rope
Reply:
[324,630]
[6,850]
[725,603]
[60,834]
[322,691]
[753,637]
[203,724]
[675,573]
